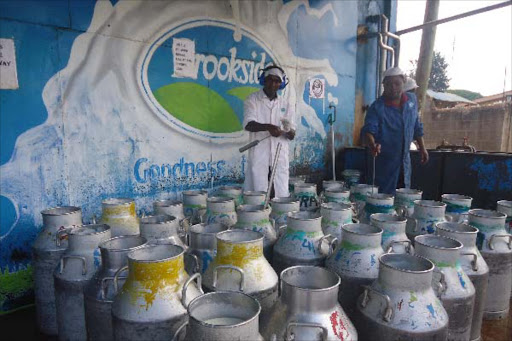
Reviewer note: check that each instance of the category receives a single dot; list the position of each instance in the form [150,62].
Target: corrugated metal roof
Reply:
[446,97]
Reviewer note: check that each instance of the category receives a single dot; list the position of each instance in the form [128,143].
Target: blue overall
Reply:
[395,129]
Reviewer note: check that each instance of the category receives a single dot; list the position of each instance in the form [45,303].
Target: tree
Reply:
[471,95]
[438,80]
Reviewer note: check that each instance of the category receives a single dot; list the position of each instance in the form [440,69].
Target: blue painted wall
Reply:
[88,121]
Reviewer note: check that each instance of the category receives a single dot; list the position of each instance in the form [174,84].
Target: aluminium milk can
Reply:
[355,260]
[254,197]
[394,238]
[358,194]
[401,304]
[328,184]
[47,250]
[334,216]
[308,308]
[173,208]
[120,215]
[256,218]
[457,207]
[404,199]
[220,210]
[292,181]
[377,203]
[239,265]
[454,287]
[152,302]
[75,270]
[473,265]
[306,194]
[99,293]
[234,192]
[202,243]
[339,195]
[427,213]
[161,229]
[495,245]
[281,207]
[226,316]
[301,243]
[194,204]
[351,176]
[505,206]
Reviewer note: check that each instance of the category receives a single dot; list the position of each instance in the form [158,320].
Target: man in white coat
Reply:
[265,112]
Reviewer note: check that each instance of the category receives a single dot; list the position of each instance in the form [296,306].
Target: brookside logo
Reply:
[197,75]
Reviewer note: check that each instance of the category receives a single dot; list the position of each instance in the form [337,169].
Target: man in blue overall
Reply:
[390,125]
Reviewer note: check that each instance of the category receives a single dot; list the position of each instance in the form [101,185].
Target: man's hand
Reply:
[290,135]
[424,156]
[274,130]
[375,149]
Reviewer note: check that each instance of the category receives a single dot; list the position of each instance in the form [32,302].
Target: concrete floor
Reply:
[21,326]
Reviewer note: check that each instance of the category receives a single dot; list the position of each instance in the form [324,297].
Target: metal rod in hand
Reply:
[251,144]
[373,183]
[272,175]
[333,154]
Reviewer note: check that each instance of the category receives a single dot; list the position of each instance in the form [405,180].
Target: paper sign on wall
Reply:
[317,88]
[184,51]
[8,74]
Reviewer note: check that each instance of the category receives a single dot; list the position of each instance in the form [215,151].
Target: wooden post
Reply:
[428,39]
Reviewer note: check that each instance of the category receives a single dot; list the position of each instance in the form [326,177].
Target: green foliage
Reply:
[438,80]
[471,95]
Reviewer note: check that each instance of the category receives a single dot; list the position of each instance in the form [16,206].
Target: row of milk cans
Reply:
[147,281]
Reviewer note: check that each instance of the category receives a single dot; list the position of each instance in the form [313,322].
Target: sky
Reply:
[477,49]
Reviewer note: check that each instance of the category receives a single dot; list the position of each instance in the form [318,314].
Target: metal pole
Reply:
[428,39]
[272,175]
[455,17]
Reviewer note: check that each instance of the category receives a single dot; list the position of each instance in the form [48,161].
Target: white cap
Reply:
[394,71]
[410,84]
[276,72]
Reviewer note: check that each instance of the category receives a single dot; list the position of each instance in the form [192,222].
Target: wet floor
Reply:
[499,330]
[21,325]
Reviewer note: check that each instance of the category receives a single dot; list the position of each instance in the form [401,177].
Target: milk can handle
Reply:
[331,243]
[305,325]
[179,331]
[185,287]
[441,285]
[509,236]
[231,267]
[273,223]
[388,312]
[356,208]
[356,221]
[407,245]
[415,222]
[103,285]
[184,225]
[61,233]
[474,266]
[116,277]
[401,211]
[84,263]
[196,261]
[281,229]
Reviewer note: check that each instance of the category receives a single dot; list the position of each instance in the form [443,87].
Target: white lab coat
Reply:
[259,108]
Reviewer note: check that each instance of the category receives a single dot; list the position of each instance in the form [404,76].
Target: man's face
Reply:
[272,83]
[393,87]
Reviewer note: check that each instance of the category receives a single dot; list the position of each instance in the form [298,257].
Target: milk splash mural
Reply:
[151,103]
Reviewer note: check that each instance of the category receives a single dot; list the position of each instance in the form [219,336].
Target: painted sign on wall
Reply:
[145,101]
